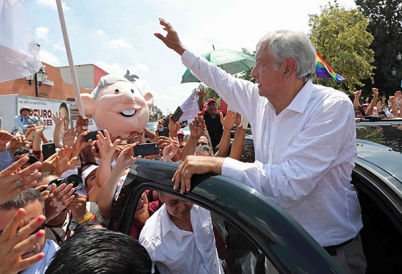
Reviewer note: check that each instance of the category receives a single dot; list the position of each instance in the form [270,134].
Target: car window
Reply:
[236,252]
[388,133]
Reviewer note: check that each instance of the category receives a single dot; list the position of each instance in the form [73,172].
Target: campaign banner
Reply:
[46,109]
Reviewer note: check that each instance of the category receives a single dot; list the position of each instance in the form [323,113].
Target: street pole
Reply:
[36,85]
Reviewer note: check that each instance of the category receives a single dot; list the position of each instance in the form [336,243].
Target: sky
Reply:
[119,35]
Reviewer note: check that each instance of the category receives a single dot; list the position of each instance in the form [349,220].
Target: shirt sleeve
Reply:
[237,93]
[327,141]
[19,123]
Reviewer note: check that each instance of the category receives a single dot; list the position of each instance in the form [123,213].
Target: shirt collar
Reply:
[299,103]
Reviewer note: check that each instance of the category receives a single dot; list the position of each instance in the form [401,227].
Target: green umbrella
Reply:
[229,60]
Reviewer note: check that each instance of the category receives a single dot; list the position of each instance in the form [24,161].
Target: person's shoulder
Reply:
[330,93]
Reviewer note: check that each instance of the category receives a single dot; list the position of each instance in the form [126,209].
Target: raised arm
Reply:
[356,100]
[201,94]
[196,129]
[373,102]
[106,194]
[238,142]
[58,122]
[227,123]
[106,151]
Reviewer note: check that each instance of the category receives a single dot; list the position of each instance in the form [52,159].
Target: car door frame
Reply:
[279,237]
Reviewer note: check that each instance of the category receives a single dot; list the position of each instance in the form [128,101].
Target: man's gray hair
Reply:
[204,148]
[23,199]
[283,44]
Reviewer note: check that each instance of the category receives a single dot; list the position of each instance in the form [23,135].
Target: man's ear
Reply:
[149,98]
[290,67]
[88,103]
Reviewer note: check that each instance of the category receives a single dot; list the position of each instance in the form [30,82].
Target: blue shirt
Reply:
[22,122]
[6,159]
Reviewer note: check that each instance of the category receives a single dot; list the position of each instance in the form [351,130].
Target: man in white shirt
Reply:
[179,238]
[304,138]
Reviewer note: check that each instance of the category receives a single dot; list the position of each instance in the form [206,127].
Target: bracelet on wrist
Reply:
[86,219]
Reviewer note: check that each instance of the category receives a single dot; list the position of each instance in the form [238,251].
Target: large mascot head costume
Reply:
[118,106]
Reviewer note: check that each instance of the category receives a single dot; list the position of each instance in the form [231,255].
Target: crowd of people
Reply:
[373,107]
[55,210]
[73,191]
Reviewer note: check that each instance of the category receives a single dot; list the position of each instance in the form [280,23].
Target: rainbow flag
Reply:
[323,70]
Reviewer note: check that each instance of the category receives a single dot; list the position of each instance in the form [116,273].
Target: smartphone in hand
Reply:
[48,150]
[163,132]
[92,135]
[146,149]
[177,114]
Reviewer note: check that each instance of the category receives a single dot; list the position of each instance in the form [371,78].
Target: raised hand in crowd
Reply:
[84,147]
[58,122]
[170,151]
[173,127]
[105,197]
[69,137]
[82,124]
[373,102]
[64,162]
[228,120]
[5,137]
[13,180]
[17,142]
[238,141]
[394,107]
[227,123]
[163,141]
[78,207]
[356,100]
[201,94]
[49,165]
[106,152]
[58,199]
[36,142]
[197,128]
[15,240]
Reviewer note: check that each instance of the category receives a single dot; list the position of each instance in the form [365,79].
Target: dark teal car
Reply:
[250,223]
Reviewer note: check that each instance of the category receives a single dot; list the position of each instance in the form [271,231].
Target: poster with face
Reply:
[46,108]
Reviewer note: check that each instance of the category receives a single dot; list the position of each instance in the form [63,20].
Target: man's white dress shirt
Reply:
[177,251]
[304,156]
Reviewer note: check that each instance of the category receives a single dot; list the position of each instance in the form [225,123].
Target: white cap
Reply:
[88,171]
[69,172]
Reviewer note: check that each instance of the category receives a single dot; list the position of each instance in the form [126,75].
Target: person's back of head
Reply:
[100,251]
[285,44]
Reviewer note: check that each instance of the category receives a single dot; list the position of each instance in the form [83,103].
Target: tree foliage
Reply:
[340,36]
[155,114]
[243,75]
[385,24]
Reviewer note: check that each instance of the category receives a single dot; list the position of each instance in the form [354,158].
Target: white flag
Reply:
[19,53]
[190,107]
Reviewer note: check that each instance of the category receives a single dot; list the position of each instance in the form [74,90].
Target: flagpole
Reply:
[70,59]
